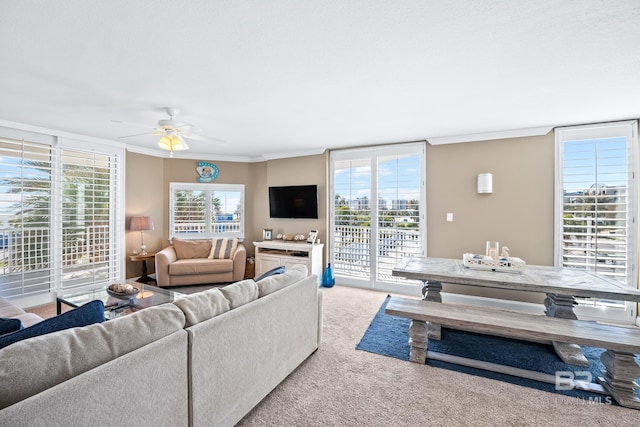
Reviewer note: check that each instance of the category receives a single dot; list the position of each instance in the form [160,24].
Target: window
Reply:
[206,210]
[378,212]
[59,216]
[596,199]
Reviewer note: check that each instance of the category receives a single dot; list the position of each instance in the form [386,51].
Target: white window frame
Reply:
[58,145]
[374,153]
[592,309]
[208,189]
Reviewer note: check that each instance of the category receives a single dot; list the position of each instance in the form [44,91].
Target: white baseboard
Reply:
[638,321]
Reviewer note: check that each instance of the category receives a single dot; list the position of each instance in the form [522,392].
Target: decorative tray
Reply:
[482,262]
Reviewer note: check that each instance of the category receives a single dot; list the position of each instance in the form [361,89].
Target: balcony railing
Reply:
[352,250]
[25,258]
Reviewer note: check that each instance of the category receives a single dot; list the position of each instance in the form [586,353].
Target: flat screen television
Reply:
[293,201]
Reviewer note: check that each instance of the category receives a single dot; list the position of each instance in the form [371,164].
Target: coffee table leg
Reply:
[561,306]
[431,291]
[418,341]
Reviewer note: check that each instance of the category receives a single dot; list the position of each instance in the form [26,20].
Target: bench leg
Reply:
[619,377]
[418,341]
[561,306]
[431,291]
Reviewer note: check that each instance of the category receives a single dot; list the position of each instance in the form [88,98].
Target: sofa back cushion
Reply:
[240,293]
[223,248]
[202,306]
[276,282]
[92,312]
[34,365]
[186,249]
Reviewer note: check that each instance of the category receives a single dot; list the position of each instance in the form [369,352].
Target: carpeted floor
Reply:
[341,386]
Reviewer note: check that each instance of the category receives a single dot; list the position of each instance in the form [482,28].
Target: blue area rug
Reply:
[388,335]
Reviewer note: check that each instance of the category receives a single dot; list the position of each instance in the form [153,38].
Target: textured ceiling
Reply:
[274,78]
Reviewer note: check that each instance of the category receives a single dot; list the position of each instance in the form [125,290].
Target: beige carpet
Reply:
[342,386]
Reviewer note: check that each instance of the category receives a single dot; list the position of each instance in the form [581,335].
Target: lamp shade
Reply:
[141,223]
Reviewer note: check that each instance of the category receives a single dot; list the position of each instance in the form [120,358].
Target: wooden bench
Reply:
[621,343]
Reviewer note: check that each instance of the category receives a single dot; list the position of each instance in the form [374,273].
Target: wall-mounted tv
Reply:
[293,201]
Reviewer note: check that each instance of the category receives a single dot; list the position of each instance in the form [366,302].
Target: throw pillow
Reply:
[187,249]
[240,293]
[223,248]
[87,314]
[8,325]
[279,281]
[202,306]
[272,272]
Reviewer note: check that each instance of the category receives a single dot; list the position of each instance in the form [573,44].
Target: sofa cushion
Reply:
[200,266]
[92,312]
[8,325]
[202,306]
[240,293]
[29,367]
[187,249]
[273,271]
[8,309]
[279,281]
[223,248]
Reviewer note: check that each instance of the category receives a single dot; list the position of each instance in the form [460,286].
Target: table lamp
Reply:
[141,224]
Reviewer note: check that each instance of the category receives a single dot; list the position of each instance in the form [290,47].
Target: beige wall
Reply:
[147,193]
[144,196]
[519,212]
[305,170]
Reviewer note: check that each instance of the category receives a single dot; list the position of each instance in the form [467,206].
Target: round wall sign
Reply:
[207,171]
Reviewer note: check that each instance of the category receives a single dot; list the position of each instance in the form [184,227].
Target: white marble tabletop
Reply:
[532,278]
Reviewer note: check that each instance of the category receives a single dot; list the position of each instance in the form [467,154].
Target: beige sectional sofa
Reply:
[205,360]
[7,309]
[190,262]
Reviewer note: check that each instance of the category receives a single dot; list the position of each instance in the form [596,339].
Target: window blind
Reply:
[206,210]
[59,218]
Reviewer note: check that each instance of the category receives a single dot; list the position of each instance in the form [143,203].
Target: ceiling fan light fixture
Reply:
[172,143]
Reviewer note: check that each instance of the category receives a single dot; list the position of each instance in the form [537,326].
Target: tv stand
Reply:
[274,253]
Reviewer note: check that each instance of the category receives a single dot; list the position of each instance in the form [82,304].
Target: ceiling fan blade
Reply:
[188,128]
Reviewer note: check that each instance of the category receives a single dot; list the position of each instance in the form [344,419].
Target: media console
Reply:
[272,254]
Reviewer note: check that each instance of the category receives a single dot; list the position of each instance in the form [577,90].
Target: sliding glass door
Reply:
[378,212]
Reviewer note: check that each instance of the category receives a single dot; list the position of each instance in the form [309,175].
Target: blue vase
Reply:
[328,280]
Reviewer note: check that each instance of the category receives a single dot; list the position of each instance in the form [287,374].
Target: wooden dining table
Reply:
[561,286]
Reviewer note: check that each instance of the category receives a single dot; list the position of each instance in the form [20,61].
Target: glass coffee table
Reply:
[148,296]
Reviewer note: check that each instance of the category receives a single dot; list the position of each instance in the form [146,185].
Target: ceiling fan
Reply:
[173,132]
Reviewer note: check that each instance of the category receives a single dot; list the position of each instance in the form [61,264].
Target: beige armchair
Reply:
[187,262]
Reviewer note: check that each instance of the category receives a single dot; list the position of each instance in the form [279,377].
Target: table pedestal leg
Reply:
[619,375]
[418,341]
[431,292]
[561,306]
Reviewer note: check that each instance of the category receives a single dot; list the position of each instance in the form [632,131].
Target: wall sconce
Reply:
[485,183]
[141,224]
